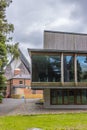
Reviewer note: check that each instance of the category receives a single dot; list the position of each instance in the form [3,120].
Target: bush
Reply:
[16,96]
[1,97]
[40,102]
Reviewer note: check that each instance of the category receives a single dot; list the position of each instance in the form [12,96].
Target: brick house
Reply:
[18,77]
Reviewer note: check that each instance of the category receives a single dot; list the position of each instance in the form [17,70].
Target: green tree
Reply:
[13,50]
[5,29]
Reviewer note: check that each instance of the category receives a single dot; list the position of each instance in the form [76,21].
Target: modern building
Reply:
[60,70]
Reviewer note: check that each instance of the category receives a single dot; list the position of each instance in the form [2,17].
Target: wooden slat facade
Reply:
[65,41]
[58,84]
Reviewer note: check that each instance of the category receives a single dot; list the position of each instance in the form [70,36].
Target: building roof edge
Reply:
[62,32]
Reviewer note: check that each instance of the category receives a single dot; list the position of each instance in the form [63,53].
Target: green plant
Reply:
[41,102]
[1,97]
[62,121]
[16,96]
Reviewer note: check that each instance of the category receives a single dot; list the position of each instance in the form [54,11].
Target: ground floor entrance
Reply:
[68,96]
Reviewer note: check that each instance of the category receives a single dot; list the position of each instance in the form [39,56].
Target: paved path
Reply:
[9,105]
[20,107]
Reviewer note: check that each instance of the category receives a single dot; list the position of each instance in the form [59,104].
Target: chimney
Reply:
[17,71]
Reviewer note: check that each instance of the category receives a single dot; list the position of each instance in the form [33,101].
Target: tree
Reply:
[13,50]
[5,29]
[79,71]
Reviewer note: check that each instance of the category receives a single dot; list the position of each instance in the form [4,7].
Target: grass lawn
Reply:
[68,121]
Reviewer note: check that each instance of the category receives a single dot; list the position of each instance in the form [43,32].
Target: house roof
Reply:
[20,63]
[24,60]
[23,76]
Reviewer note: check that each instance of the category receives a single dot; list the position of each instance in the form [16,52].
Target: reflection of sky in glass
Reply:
[54,67]
[83,62]
[68,58]
[52,59]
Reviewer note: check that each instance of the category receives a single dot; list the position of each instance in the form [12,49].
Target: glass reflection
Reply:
[68,96]
[71,97]
[59,95]
[65,94]
[84,96]
[54,97]
[46,68]
[78,96]
[82,68]
[68,68]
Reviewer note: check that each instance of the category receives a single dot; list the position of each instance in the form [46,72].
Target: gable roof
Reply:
[23,76]
[21,63]
[24,60]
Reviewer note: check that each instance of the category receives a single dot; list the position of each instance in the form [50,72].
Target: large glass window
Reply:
[71,96]
[56,97]
[82,68]
[68,68]
[84,96]
[46,68]
[65,96]
[59,93]
[68,96]
[78,96]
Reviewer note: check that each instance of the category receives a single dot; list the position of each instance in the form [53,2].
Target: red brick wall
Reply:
[26,82]
[28,92]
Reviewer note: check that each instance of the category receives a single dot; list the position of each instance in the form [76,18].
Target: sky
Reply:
[32,17]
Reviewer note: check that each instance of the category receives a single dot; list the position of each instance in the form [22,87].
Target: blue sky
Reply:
[32,17]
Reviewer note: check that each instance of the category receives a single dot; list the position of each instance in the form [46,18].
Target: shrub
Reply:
[16,96]
[41,102]
[1,97]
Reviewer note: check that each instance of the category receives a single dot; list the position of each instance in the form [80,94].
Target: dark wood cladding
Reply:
[65,41]
[45,53]
[58,84]
[45,84]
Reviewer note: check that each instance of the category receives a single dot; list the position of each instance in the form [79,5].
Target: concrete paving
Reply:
[28,107]
[9,105]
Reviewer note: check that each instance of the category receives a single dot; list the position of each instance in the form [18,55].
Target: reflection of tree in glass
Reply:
[39,64]
[71,68]
[54,68]
[47,68]
[79,71]
[68,68]
[85,76]
[85,70]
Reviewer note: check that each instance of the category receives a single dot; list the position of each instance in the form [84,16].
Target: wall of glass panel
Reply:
[82,68]
[68,68]
[46,68]
[65,96]
[68,96]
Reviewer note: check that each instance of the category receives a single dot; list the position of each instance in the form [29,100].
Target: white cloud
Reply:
[32,17]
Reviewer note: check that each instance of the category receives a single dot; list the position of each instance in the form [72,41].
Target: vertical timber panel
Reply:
[65,41]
